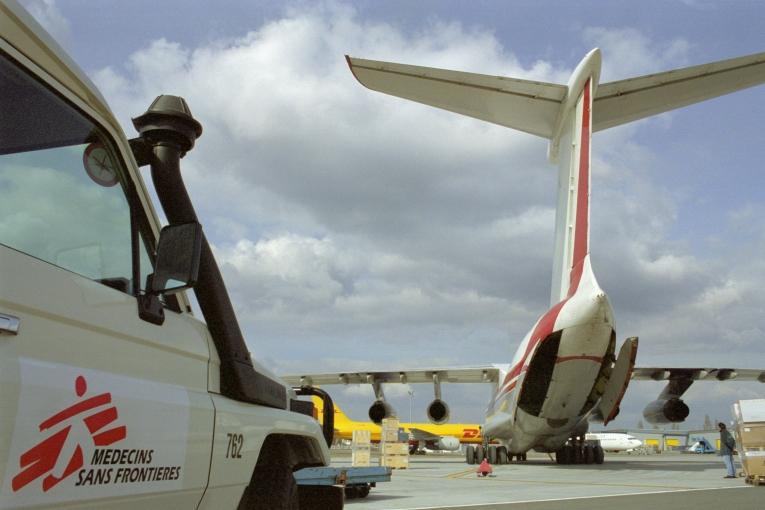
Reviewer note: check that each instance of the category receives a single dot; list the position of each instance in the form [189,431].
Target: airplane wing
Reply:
[525,105]
[480,374]
[624,101]
[698,374]
[423,435]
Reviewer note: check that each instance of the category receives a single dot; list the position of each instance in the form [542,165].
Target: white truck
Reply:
[112,394]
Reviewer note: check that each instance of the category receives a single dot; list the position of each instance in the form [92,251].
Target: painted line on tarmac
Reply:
[461,475]
[552,500]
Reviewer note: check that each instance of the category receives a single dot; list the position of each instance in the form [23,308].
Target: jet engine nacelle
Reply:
[379,410]
[438,412]
[673,410]
[449,443]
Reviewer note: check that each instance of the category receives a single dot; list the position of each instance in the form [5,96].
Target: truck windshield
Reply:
[62,184]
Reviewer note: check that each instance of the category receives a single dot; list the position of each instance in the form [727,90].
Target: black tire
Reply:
[560,456]
[578,454]
[522,457]
[491,454]
[364,491]
[600,455]
[470,454]
[589,454]
[570,458]
[480,454]
[501,455]
[319,497]
[276,489]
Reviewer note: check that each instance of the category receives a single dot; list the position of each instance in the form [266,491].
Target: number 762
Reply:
[235,443]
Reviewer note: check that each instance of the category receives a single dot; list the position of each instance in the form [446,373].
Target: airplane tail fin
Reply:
[318,409]
[567,115]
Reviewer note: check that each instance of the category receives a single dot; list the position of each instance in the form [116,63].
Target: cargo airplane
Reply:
[567,370]
[446,437]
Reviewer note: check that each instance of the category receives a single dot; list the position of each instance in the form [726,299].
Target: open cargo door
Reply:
[620,379]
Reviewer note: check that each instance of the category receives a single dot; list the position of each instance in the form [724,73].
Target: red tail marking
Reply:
[582,197]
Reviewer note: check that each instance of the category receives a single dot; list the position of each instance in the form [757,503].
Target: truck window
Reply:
[62,185]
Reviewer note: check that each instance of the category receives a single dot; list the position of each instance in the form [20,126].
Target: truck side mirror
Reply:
[178,253]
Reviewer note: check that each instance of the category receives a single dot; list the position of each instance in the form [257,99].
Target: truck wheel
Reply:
[364,491]
[470,454]
[480,454]
[276,490]
[320,497]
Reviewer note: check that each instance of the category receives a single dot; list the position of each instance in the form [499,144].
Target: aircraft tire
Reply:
[599,455]
[588,454]
[522,457]
[577,454]
[491,454]
[502,455]
[470,454]
[480,454]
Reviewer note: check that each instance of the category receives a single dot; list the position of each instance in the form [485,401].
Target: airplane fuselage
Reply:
[545,395]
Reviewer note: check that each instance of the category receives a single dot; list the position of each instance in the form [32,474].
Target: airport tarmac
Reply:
[623,482]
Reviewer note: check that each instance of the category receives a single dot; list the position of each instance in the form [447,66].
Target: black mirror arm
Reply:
[150,307]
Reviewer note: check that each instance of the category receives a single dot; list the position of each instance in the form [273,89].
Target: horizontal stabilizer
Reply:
[528,106]
[624,101]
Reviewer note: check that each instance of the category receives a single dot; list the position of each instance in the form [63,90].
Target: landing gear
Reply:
[599,454]
[580,452]
[480,454]
[470,454]
[491,454]
[502,455]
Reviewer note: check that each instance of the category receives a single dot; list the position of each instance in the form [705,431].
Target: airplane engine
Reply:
[379,410]
[673,410]
[449,443]
[438,412]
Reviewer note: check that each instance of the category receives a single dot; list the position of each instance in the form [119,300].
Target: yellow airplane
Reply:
[421,435]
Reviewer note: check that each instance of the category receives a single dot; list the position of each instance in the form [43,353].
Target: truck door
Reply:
[98,408]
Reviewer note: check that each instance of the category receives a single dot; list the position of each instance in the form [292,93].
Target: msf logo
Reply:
[59,452]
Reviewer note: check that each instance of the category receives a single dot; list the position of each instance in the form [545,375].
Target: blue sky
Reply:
[358,230]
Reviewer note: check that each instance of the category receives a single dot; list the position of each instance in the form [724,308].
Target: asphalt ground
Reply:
[623,482]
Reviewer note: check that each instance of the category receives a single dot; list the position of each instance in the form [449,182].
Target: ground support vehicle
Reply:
[357,481]
[113,395]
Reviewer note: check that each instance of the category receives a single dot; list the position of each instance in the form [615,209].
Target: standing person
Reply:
[727,444]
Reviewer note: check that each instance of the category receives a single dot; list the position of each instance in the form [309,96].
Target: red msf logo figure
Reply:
[42,458]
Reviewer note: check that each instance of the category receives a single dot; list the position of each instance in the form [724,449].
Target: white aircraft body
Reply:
[566,370]
[614,441]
